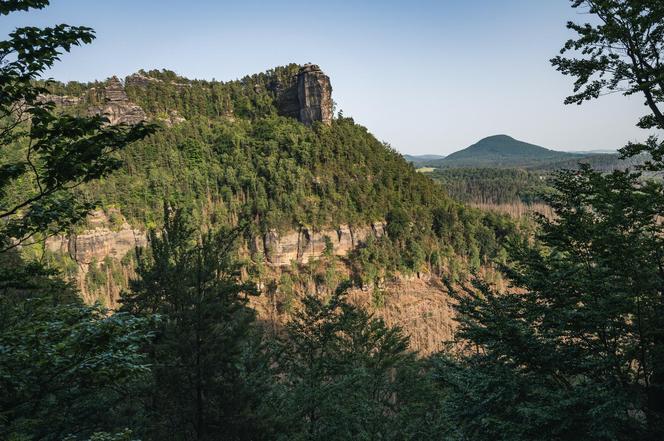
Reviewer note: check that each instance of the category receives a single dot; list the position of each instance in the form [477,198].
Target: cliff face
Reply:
[307,96]
[101,241]
[421,306]
[117,107]
[305,244]
[98,242]
[107,242]
[314,93]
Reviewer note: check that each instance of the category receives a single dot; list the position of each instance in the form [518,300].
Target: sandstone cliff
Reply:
[99,241]
[306,244]
[315,95]
[307,96]
[116,106]
[108,238]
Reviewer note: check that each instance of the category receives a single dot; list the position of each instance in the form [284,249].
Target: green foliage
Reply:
[576,350]
[235,158]
[492,185]
[44,154]
[200,385]
[65,368]
[577,347]
[621,52]
[342,374]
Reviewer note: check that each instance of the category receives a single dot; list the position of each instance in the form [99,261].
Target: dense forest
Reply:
[493,186]
[572,348]
[233,159]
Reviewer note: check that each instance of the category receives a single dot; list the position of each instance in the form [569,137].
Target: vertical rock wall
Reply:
[117,107]
[314,93]
[307,96]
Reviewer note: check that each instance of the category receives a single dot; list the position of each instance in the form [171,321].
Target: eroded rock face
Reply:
[140,80]
[172,118]
[314,93]
[307,96]
[60,100]
[109,236]
[117,107]
[99,242]
[304,245]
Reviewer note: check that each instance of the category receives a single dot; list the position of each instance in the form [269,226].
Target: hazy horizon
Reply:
[425,77]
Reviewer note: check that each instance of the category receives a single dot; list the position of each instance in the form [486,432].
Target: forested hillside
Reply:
[236,153]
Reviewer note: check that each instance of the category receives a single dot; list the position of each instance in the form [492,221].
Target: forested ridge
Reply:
[232,159]
[570,348]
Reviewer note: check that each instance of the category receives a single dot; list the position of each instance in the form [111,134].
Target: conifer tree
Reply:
[200,389]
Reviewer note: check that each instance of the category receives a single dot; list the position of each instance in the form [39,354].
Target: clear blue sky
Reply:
[424,76]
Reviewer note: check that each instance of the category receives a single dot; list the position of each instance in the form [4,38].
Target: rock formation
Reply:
[314,93]
[117,107]
[172,118]
[304,245]
[421,306]
[99,241]
[307,96]
[60,100]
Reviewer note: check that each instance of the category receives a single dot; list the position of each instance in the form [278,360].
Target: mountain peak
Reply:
[497,137]
[499,151]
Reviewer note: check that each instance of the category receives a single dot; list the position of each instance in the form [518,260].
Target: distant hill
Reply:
[503,151]
[422,159]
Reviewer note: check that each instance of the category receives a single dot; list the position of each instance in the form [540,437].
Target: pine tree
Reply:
[343,374]
[200,387]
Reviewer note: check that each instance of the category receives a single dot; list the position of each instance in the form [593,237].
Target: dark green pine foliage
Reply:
[575,350]
[342,374]
[200,388]
[66,369]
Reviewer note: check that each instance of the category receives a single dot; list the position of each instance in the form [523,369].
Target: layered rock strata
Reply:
[306,244]
[117,107]
[307,96]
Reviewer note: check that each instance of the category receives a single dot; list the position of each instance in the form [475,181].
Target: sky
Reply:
[427,77]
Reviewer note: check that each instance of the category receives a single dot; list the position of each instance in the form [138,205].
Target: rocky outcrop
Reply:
[140,80]
[117,107]
[99,241]
[306,96]
[143,81]
[314,93]
[306,244]
[60,100]
[109,236]
[171,118]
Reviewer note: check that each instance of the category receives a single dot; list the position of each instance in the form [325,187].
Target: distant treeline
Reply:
[493,185]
